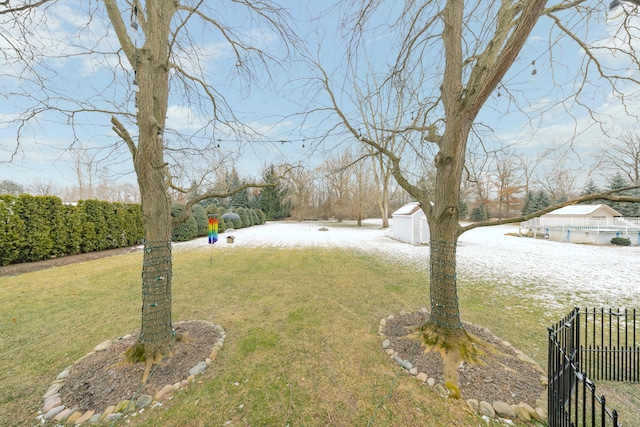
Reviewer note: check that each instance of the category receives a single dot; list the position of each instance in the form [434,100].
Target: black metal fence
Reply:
[585,347]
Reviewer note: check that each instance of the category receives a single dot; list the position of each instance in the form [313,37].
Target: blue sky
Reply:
[270,108]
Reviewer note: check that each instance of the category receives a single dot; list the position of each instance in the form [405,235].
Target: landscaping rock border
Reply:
[522,411]
[54,408]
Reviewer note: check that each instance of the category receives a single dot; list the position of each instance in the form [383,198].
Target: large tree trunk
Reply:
[444,227]
[151,72]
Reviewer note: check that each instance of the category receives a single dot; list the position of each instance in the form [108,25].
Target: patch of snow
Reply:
[553,272]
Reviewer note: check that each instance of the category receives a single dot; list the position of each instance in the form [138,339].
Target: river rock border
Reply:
[522,411]
[54,409]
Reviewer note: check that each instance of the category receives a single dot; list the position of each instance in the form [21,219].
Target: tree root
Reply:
[455,347]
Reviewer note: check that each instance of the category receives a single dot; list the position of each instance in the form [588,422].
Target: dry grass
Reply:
[302,346]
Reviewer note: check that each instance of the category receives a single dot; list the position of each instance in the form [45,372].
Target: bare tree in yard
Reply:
[507,182]
[623,154]
[156,54]
[338,181]
[558,177]
[466,49]
[374,112]
[300,183]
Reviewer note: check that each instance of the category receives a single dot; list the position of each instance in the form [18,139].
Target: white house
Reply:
[410,224]
[595,224]
[580,215]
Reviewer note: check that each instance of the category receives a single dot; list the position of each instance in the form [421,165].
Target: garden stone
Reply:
[198,369]
[73,417]
[473,405]
[53,389]
[121,406]
[113,417]
[439,388]
[64,374]
[95,418]
[504,410]
[431,382]
[51,403]
[164,393]
[386,344]
[485,408]
[530,410]
[63,415]
[108,412]
[522,413]
[53,412]
[84,417]
[143,400]
[541,413]
[102,346]
[422,377]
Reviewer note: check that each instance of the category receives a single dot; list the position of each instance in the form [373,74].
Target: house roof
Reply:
[583,210]
[408,209]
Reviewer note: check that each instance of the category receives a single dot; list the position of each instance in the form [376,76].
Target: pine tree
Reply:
[528,205]
[541,201]
[625,208]
[241,198]
[272,200]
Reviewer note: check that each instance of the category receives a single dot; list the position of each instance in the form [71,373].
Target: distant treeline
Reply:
[34,228]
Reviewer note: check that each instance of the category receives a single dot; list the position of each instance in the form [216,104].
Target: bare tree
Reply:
[507,182]
[623,154]
[466,49]
[39,187]
[153,56]
[300,184]
[337,179]
[556,176]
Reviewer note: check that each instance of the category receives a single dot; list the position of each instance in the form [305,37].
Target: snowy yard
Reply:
[572,274]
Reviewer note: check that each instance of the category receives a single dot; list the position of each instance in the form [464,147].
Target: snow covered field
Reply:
[601,276]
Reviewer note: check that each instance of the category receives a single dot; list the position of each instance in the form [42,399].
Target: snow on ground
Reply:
[567,273]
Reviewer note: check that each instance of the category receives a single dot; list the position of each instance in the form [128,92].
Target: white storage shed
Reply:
[410,224]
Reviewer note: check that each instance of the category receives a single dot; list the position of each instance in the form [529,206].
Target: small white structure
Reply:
[410,224]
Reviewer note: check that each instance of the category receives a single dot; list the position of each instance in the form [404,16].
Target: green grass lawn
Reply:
[302,345]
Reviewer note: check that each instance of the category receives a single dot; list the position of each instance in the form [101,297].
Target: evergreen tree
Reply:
[481,213]
[590,188]
[463,210]
[529,204]
[241,198]
[541,201]
[185,231]
[625,208]
[272,200]
[200,215]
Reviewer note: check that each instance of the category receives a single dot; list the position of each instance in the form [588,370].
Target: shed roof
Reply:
[408,209]
[583,210]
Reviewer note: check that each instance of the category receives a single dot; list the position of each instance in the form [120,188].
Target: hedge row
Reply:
[198,222]
[33,228]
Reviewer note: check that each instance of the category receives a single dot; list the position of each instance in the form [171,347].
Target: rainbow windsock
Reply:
[213,229]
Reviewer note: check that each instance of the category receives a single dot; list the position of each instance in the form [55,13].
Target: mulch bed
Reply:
[104,378]
[504,377]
